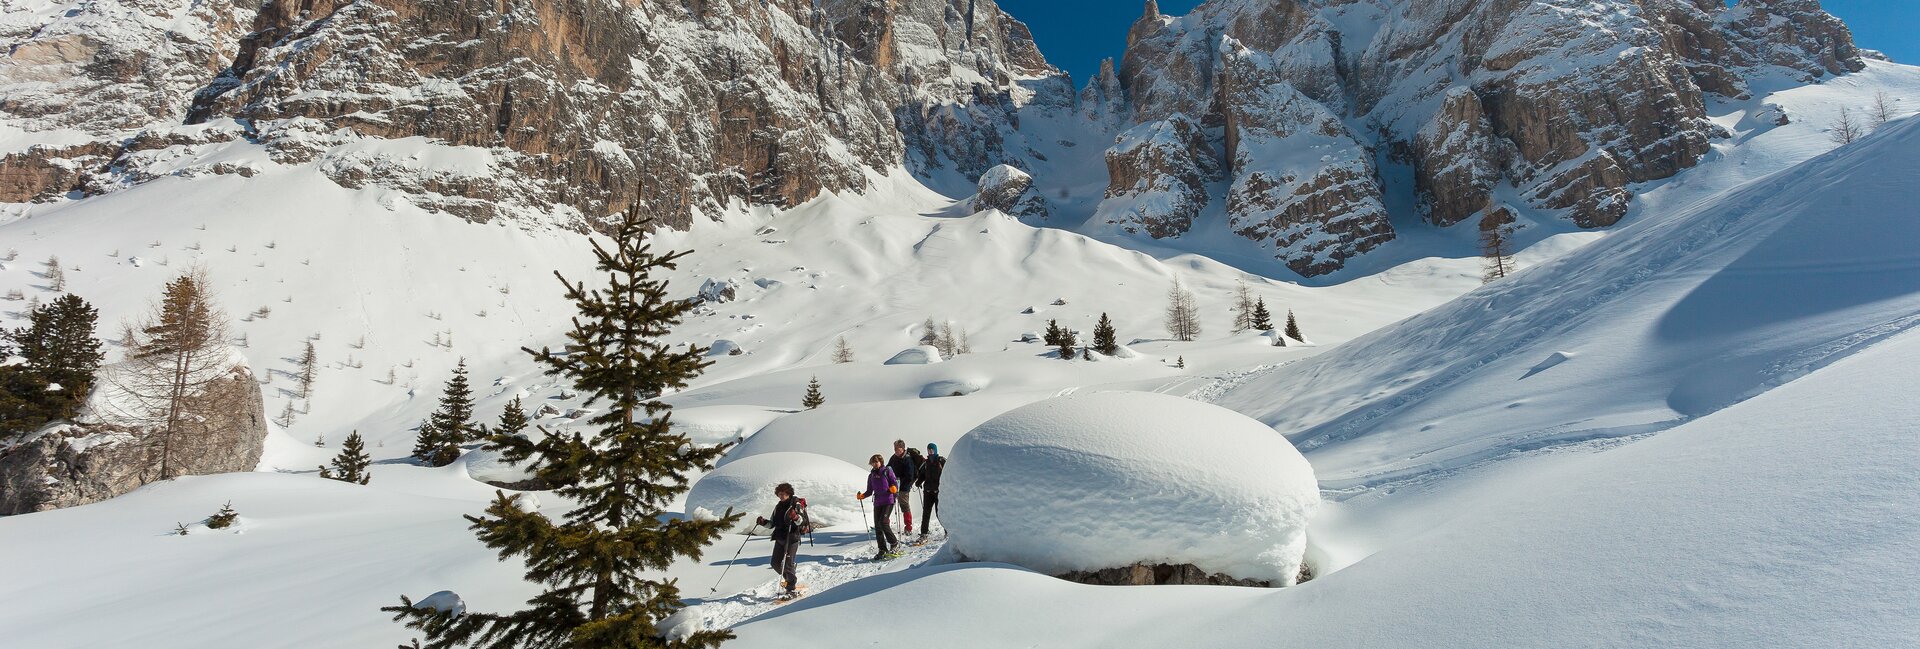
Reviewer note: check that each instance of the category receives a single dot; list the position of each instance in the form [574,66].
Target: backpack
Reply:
[799,515]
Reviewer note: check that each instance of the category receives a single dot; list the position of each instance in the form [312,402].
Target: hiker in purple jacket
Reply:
[882,486]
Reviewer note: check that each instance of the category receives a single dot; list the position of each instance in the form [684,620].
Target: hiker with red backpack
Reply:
[882,486]
[904,467]
[790,523]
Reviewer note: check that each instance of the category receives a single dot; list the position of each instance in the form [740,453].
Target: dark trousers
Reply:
[784,550]
[928,501]
[883,528]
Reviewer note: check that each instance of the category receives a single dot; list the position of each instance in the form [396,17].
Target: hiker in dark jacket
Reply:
[790,524]
[883,487]
[904,469]
[928,479]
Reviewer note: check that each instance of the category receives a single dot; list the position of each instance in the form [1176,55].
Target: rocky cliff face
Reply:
[585,106]
[1278,115]
[1569,101]
[67,465]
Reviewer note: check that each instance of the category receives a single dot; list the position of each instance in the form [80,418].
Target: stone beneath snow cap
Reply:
[1089,482]
[1009,190]
[921,355]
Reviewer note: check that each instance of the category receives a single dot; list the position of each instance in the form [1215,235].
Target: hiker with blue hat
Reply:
[928,479]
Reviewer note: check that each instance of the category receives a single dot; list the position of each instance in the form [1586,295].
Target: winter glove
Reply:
[760,521]
[893,489]
[859,496]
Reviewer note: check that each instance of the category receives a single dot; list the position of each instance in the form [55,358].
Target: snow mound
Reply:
[953,388]
[722,424]
[487,466]
[747,486]
[1110,479]
[445,601]
[921,355]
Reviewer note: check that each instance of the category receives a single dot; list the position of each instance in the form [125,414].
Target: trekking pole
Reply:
[736,559]
[863,519]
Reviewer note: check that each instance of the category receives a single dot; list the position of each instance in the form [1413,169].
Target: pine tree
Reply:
[813,398]
[513,420]
[1180,362]
[59,348]
[1496,253]
[1064,340]
[435,447]
[1242,307]
[1262,320]
[1105,340]
[1183,322]
[929,332]
[455,416]
[594,561]
[309,366]
[352,462]
[842,353]
[224,518]
[177,369]
[1293,327]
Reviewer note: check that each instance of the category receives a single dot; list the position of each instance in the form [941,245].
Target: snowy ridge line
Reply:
[1814,358]
[1701,236]
[816,576]
[1545,441]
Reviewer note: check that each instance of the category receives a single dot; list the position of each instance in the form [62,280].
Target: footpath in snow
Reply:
[850,559]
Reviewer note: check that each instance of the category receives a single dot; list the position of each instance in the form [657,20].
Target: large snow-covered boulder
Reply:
[921,355]
[747,486]
[1107,480]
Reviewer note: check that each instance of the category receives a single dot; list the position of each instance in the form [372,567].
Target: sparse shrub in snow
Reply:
[842,353]
[921,355]
[746,485]
[1113,479]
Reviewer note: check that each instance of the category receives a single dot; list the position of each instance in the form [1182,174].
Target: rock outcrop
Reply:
[1570,102]
[1282,115]
[65,465]
[1009,190]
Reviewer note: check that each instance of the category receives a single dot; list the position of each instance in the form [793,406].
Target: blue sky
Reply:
[1076,34]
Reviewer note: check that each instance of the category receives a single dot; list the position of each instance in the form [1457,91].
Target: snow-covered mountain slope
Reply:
[1785,520]
[1667,320]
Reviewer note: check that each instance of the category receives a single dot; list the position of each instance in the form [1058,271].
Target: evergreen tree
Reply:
[1063,339]
[309,366]
[842,353]
[1293,327]
[1242,307]
[433,446]
[513,420]
[1105,340]
[455,416]
[1262,320]
[1052,335]
[813,398]
[594,561]
[352,462]
[929,332]
[59,348]
[1180,362]
[224,518]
